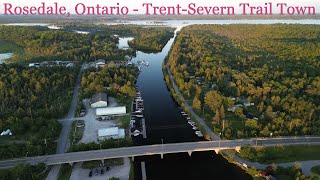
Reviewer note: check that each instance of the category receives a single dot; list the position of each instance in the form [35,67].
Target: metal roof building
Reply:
[111,133]
[111,111]
[99,100]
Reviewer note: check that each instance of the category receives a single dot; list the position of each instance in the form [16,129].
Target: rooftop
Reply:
[99,97]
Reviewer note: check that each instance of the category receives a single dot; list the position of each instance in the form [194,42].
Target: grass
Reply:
[281,154]
[131,174]
[316,169]
[124,121]
[65,172]
[107,162]
[236,122]
[9,47]
[77,131]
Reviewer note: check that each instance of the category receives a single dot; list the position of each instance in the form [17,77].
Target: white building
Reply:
[100,63]
[99,100]
[111,111]
[111,133]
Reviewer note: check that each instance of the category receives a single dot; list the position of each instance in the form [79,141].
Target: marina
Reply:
[137,120]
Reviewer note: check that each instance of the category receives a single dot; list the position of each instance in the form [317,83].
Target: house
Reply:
[100,63]
[248,104]
[34,64]
[111,111]
[234,107]
[99,100]
[111,133]
[71,64]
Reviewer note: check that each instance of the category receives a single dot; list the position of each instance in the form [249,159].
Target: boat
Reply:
[139,68]
[147,63]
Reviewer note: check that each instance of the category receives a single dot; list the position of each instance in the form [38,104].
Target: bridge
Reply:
[158,149]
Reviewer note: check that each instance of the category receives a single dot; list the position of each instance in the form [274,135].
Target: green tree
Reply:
[213,100]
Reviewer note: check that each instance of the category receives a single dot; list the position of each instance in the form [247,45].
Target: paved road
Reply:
[63,142]
[155,149]
[199,119]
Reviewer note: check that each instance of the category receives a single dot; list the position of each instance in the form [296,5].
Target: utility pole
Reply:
[256,139]
[222,126]
[162,146]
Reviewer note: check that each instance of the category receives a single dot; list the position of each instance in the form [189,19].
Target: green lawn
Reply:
[316,170]
[124,121]
[281,154]
[236,122]
[77,131]
[9,47]
[65,172]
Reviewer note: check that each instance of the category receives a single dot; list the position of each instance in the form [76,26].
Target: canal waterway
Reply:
[164,123]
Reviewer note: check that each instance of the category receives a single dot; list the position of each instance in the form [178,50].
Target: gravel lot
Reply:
[121,172]
[92,125]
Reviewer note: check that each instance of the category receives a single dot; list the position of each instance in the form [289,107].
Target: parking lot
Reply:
[121,172]
[92,125]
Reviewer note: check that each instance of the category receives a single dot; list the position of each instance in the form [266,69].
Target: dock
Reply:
[144,132]
[143,170]
[137,119]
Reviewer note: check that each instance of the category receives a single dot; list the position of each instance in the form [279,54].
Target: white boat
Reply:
[147,63]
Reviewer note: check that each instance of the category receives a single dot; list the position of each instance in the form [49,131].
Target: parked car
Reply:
[96,171]
[90,173]
[102,172]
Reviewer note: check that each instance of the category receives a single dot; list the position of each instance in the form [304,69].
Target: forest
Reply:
[251,80]
[149,39]
[40,44]
[120,81]
[31,101]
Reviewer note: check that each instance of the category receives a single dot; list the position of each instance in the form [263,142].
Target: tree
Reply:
[196,104]
[252,124]
[216,118]
[222,113]
[213,100]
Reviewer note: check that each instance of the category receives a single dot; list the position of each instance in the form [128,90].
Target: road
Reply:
[63,141]
[212,135]
[157,149]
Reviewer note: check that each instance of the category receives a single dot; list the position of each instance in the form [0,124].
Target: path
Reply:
[305,165]
[199,119]
[63,142]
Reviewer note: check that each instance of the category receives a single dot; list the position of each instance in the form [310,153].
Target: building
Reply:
[111,133]
[34,64]
[99,100]
[100,63]
[111,111]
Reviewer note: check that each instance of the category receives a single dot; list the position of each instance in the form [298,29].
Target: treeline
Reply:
[31,100]
[276,67]
[118,80]
[106,144]
[41,43]
[145,38]
[24,172]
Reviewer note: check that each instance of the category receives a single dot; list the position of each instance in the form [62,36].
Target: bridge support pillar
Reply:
[190,153]
[102,161]
[161,155]
[132,158]
[217,151]
[71,163]
[238,149]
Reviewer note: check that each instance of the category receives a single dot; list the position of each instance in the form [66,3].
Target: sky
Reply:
[132,4]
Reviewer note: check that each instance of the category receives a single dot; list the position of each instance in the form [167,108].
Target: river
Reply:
[165,122]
